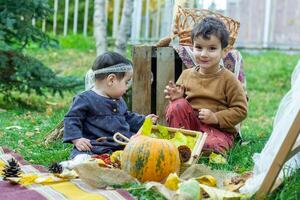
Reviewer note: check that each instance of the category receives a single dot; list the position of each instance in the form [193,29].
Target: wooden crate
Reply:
[159,65]
[196,151]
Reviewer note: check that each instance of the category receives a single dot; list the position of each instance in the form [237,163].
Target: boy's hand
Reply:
[173,91]
[153,117]
[82,144]
[207,116]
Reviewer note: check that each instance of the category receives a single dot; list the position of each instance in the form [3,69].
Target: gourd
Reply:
[150,159]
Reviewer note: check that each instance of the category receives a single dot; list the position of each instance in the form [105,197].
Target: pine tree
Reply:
[19,72]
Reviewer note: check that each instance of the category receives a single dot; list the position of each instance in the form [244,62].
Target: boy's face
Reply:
[208,53]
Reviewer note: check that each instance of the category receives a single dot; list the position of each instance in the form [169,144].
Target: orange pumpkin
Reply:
[150,159]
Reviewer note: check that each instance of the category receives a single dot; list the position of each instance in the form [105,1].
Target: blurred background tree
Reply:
[19,72]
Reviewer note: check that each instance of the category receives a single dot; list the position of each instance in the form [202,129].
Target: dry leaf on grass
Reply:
[13,127]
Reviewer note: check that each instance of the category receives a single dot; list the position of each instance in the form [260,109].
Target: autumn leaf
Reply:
[147,127]
[217,158]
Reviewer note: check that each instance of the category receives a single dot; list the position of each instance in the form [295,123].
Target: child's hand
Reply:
[207,116]
[135,135]
[173,91]
[153,117]
[82,144]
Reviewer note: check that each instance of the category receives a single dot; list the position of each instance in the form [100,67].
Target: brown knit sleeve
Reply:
[182,77]
[237,104]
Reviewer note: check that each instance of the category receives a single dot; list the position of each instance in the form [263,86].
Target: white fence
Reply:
[266,23]
[150,21]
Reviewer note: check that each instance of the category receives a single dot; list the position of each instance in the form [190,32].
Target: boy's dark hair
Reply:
[211,26]
[108,59]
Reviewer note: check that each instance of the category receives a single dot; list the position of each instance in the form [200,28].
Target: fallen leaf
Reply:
[37,129]
[13,127]
[234,187]
[49,111]
[217,158]
[51,103]
[190,188]
[147,127]
[20,143]
[245,143]
[172,181]
[29,134]
[27,179]
[207,180]
[215,193]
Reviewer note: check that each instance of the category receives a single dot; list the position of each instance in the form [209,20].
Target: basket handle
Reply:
[116,135]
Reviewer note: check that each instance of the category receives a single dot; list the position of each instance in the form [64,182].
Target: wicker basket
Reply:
[196,151]
[186,18]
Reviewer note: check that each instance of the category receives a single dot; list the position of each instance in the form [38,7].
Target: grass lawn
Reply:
[23,127]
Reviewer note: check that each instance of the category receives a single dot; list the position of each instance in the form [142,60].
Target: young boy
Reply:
[208,97]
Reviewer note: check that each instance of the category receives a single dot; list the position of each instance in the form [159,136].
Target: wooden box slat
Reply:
[153,68]
[165,72]
[141,88]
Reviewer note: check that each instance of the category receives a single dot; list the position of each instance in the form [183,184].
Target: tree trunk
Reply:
[125,27]
[116,17]
[136,26]
[100,26]
[166,24]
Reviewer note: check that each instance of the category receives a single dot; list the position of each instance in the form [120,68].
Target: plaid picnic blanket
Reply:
[72,190]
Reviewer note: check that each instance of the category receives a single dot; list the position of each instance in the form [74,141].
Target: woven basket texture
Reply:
[186,18]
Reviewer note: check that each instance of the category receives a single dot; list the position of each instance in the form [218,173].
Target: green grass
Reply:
[268,79]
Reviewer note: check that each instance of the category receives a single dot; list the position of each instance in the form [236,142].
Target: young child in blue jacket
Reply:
[101,111]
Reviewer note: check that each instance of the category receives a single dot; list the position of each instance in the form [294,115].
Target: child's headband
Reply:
[122,67]
[90,75]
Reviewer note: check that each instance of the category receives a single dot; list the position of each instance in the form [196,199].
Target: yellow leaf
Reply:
[27,179]
[191,141]
[172,181]
[147,127]
[116,156]
[163,132]
[47,179]
[217,158]
[215,193]
[179,139]
[68,174]
[207,180]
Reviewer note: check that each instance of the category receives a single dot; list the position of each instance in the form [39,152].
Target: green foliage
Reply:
[20,72]
[16,29]
[140,192]
[79,42]
[26,74]
[290,189]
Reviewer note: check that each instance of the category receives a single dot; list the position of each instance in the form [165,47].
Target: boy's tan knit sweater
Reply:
[221,92]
